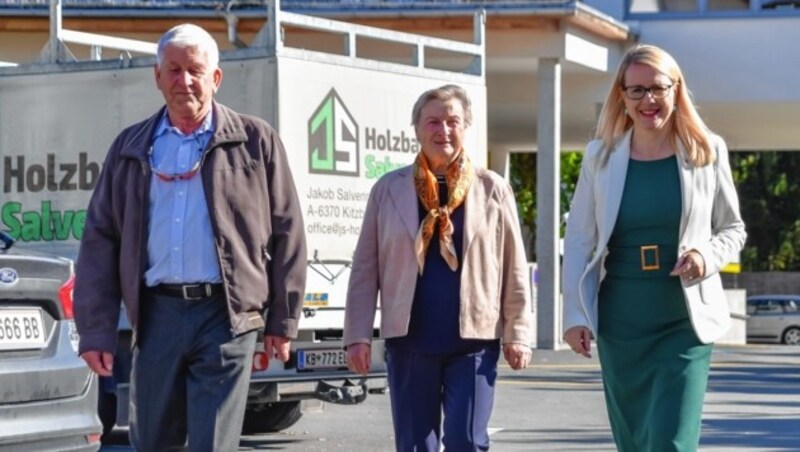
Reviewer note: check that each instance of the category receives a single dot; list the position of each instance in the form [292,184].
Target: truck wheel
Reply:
[271,417]
[107,411]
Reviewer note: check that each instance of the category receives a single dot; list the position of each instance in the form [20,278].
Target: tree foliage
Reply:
[769,196]
[523,180]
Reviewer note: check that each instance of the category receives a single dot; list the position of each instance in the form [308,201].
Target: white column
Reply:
[548,163]
[499,162]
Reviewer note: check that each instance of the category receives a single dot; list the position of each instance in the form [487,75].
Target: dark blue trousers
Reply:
[190,376]
[423,386]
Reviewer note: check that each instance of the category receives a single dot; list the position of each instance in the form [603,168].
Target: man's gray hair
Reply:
[189,35]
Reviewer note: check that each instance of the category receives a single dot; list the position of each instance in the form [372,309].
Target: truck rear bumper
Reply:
[347,391]
[283,382]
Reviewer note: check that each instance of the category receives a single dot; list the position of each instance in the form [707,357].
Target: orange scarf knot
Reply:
[459,177]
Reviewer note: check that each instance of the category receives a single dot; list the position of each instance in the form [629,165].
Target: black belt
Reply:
[188,291]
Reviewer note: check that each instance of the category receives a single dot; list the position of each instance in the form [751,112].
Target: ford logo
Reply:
[8,276]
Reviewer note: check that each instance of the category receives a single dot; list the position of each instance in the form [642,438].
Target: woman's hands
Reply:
[579,339]
[359,358]
[517,355]
[690,266]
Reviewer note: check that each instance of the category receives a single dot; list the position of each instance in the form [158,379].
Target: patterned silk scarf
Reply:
[459,177]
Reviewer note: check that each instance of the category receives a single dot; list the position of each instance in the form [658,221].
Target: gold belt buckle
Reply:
[644,249]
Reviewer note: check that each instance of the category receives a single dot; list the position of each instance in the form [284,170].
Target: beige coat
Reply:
[495,283]
[710,224]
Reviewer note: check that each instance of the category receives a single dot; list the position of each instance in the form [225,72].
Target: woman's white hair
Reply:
[189,35]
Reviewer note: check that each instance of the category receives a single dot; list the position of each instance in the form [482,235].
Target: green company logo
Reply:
[333,139]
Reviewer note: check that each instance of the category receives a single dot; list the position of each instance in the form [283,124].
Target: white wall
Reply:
[744,73]
[737,302]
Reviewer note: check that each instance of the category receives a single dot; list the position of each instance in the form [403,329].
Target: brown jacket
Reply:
[495,283]
[254,211]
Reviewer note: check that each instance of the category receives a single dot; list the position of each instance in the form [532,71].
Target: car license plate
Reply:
[21,329]
[329,358]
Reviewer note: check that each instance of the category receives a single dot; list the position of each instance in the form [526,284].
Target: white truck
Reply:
[344,119]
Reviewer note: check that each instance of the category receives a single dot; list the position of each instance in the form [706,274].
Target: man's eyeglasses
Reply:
[637,92]
[166,177]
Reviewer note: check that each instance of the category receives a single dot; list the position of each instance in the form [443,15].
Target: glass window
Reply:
[728,5]
[778,4]
[655,6]
[790,305]
[644,6]
[769,307]
[678,5]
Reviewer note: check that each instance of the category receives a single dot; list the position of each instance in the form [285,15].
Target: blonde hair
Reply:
[685,123]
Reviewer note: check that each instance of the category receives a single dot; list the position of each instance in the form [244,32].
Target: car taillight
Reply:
[65,296]
[93,438]
[260,361]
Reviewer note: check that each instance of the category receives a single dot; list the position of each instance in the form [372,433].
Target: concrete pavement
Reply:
[753,404]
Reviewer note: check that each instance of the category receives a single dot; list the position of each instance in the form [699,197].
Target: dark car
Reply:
[774,318]
[48,395]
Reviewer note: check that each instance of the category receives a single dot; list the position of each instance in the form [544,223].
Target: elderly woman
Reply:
[441,243]
[656,207]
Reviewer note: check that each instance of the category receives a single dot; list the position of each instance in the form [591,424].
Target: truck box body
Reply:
[344,120]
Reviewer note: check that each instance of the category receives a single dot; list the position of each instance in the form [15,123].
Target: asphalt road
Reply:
[753,403]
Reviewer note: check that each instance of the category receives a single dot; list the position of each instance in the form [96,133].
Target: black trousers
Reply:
[190,376]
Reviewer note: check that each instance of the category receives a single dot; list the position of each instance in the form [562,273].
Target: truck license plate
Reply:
[21,329]
[321,359]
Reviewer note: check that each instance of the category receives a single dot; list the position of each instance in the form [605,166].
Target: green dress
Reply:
[654,368]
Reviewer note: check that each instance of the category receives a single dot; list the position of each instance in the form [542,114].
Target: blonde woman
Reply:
[654,218]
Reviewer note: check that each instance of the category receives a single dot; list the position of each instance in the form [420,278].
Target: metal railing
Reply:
[57,52]
[272,34]
[351,33]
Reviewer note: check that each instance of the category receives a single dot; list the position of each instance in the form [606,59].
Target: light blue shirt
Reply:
[180,239]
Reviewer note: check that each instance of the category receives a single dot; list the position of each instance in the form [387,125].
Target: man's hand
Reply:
[101,363]
[359,358]
[517,355]
[277,347]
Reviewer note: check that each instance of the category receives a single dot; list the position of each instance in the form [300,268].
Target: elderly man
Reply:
[195,225]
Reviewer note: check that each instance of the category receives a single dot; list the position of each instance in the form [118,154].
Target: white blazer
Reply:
[710,224]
